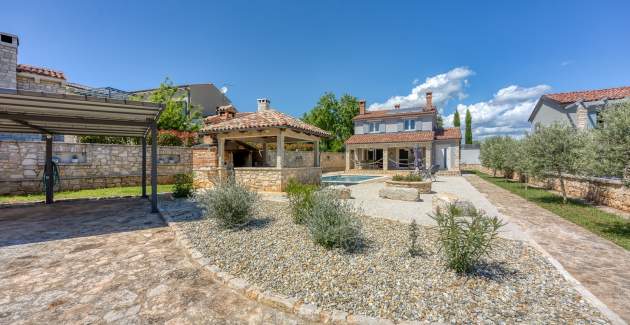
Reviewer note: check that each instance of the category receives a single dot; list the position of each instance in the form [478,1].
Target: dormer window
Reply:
[409,125]
[374,127]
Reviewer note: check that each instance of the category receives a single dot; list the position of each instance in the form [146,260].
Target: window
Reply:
[410,125]
[374,127]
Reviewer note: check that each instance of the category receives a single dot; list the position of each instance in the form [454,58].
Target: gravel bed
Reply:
[515,285]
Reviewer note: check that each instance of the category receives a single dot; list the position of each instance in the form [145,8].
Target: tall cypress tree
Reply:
[468,135]
[456,122]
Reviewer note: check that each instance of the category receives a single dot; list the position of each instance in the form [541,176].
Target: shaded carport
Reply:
[50,114]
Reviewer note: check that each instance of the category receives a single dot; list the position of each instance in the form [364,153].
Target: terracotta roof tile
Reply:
[387,113]
[590,95]
[40,71]
[448,133]
[258,120]
[391,137]
[442,134]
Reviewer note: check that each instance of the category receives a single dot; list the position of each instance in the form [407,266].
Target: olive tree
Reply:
[553,152]
[494,154]
[609,145]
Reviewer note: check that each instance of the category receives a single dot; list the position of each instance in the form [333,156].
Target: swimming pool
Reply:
[346,179]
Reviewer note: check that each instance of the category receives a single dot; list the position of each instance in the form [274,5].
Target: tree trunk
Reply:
[494,172]
[564,192]
[526,182]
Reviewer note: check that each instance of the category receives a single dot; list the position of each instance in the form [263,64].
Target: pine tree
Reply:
[468,134]
[456,121]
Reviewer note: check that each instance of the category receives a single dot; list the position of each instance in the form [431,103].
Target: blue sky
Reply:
[493,57]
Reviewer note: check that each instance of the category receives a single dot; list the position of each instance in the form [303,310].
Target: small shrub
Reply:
[407,178]
[333,222]
[167,139]
[183,185]
[300,199]
[465,236]
[414,250]
[230,203]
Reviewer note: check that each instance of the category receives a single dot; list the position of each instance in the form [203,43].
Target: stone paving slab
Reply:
[109,261]
[598,264]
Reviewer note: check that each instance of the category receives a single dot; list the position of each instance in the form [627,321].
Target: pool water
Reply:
[346,179]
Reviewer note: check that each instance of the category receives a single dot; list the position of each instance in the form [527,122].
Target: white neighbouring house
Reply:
[579,109]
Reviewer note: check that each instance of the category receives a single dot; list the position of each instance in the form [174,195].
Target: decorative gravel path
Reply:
[517,285]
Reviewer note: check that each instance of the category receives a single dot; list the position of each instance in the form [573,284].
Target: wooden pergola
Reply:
[50,114]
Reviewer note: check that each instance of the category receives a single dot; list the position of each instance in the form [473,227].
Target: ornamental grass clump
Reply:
[465,236]
[333,223]
[300,200]
[230,203]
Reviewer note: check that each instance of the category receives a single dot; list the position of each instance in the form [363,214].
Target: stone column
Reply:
[347,159]
[385,159]
[221,151]
[280,150]
[264,153]
[316,154]
[428,156]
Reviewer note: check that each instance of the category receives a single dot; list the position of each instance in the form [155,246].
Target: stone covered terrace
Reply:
[242,143]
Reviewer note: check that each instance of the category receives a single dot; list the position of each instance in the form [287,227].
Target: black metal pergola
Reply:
[50,114]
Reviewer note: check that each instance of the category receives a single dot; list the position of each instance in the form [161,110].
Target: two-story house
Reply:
[388,140]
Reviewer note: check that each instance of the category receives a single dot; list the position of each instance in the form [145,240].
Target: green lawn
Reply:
[94,193]
[604,224]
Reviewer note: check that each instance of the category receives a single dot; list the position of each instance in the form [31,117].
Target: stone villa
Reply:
[386,140]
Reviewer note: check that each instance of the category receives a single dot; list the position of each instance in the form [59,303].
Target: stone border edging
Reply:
[291,305]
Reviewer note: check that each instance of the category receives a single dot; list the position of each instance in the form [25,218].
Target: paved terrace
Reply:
[108,261]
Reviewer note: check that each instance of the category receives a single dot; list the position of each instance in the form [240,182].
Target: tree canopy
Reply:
[608,146]
[468,133]
[173,116]
[456,121]
[335,116]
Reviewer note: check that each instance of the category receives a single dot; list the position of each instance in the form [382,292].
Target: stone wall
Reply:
[260,178]
[85,165]
[45,85]
[332,161]
[603,191]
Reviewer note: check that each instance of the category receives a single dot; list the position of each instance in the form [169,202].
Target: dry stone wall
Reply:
[603,191]
[84,165]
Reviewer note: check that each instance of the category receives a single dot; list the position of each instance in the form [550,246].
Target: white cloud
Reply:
[415,81]
[505,114]
[567,62]
[224,89]
[445,86]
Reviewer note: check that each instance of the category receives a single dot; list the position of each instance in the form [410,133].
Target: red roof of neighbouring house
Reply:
[40,71]
[590,95]
[418,136]
[260,120]
[393,113]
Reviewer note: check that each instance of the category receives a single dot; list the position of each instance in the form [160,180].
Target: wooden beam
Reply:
[77,120]
[34,127]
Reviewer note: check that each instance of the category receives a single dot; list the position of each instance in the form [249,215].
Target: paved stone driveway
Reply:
[601,266]
[108,261]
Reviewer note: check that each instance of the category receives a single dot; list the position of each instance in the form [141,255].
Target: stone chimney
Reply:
[263,104]
[8,59]
[361,106]
[429,105]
